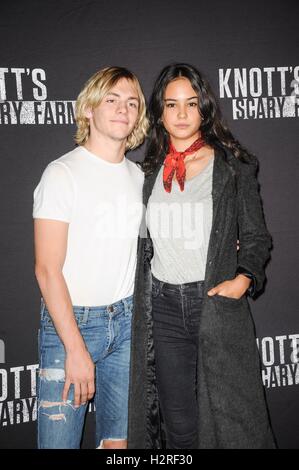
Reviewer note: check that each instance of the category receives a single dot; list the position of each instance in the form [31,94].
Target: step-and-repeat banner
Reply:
[249,53]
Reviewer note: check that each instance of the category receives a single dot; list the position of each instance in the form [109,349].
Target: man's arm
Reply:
[50,238]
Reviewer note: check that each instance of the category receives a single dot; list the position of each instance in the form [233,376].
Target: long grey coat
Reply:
[232,409]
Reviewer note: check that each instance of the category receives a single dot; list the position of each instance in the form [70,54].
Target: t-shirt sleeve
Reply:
[54,196]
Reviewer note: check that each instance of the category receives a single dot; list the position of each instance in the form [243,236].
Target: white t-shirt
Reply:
[102,202]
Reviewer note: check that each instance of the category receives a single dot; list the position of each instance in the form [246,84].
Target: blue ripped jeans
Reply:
[106,331]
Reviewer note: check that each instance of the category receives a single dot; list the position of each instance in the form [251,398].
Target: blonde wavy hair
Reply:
[91,96]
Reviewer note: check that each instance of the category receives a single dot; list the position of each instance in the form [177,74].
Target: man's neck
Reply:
[111,151]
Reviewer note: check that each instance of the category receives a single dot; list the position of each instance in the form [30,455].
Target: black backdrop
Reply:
[249,52]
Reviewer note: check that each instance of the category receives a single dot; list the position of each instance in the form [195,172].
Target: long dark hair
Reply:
[213,130]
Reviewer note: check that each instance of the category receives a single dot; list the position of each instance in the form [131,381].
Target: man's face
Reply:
[115,117]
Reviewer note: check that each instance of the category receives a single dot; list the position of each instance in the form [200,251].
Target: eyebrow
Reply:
[118,96]
[172,99]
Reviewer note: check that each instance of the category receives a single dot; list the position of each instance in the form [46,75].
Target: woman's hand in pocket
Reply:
[233,289]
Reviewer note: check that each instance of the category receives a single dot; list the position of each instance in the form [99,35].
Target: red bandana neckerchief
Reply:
[174,164]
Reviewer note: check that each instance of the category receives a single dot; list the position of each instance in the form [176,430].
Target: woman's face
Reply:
[181,116]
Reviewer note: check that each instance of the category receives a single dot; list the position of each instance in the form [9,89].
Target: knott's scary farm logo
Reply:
[17,84]
[280,360]
[261,93]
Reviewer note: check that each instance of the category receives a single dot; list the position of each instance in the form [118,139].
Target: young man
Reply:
[87,211]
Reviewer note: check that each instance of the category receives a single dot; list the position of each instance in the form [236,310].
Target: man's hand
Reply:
[233,289]
[79,370]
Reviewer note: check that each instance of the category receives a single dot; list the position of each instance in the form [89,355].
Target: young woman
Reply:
[194,360]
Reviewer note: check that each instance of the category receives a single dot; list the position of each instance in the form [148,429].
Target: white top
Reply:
[102,202]
[180,224]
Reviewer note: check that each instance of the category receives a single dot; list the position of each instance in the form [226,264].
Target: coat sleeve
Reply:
[255,240]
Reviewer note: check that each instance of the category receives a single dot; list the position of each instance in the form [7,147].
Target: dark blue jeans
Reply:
[176,317]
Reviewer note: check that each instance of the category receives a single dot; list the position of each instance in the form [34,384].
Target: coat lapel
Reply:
[147,191]
[149,184]
[222,173]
